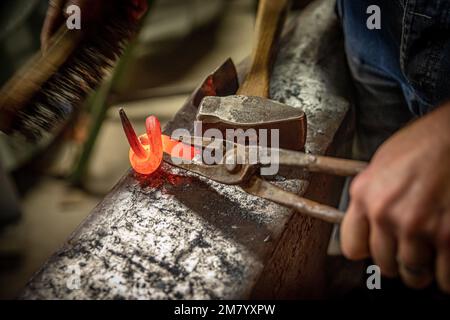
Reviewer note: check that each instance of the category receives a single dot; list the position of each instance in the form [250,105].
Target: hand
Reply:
[91,11]
[400,206]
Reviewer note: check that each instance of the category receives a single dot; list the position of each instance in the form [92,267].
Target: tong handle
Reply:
[322,164]
[266,190]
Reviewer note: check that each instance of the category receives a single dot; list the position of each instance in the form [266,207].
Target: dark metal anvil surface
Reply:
[174,235]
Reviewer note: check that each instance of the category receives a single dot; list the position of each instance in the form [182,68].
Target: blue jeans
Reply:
[401,71]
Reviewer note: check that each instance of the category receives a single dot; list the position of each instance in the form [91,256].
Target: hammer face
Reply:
[249,112]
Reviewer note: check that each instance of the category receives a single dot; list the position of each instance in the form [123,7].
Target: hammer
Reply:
[250,108]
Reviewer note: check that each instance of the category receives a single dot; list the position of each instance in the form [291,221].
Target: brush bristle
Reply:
[66,90]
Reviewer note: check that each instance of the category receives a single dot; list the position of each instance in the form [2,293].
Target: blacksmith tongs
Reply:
[234,169]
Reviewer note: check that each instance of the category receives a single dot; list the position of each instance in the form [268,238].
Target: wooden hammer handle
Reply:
[269,24]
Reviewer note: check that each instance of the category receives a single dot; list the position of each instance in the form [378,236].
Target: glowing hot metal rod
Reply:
[146,151]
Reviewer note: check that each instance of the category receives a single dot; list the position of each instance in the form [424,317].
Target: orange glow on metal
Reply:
[146,151]
[178,149]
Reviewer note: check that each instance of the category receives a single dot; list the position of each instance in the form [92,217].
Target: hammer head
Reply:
[245,112]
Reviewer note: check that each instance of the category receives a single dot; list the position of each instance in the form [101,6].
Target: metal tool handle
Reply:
[313,163]
[263,189]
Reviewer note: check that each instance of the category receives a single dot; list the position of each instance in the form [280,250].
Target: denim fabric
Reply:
[412,48]
[400,72]
[380,108]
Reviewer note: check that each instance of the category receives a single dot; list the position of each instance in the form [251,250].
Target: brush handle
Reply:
[269,24]
[29,79]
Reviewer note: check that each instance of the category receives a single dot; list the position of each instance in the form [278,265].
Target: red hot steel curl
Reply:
[146,152]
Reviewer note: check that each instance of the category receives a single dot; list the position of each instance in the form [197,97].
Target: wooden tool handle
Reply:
[269,23]
[29,79]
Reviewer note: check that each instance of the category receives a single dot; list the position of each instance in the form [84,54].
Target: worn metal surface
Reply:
[258,113]
[174,235]
[245,110]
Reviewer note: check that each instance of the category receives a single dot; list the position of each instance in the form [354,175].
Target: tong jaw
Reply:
[230,171]
[219,173]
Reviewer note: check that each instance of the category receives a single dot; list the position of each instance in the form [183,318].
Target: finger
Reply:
[53,20]
[92,11]
[443,255]
[137,9]
[383,247]
[443,270]
[415,259]
[355,233]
